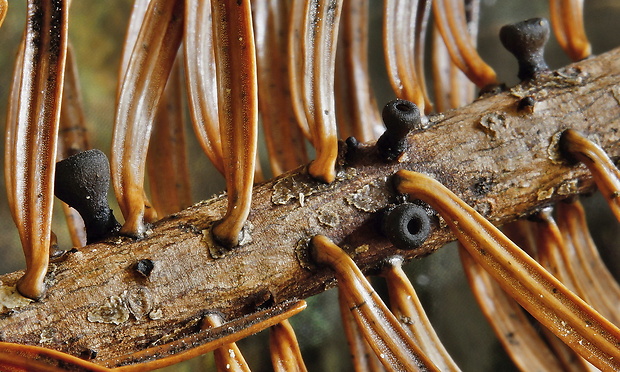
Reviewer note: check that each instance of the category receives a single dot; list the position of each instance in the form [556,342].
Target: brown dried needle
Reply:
[395,349]
[284,349]
[568,27]
[452,87]
[33,135]
[523,234]
[167,160]
[214,336]
[363,357]
[449,16]
[606,175]
[356,107]
[73,138]
[419,49]
[296,65]
[206,340]
[283,137]
[549,301]
[549,252]
[512,328]
[320,35]
[142,87]
[36,358]
[10,163]
[201,81]
[407,308]
[138,13]
[228,357]
[596,284]
[235,57]
[4,6]
[549,247]
[404,29]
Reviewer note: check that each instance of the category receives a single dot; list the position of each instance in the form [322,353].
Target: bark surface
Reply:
[499,159]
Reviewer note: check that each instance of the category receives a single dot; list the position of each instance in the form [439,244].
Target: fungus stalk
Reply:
[526,40]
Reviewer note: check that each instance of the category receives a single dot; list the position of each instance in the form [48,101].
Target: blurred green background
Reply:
[97,30]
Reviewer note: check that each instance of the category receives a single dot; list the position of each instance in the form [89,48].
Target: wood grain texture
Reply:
[499,160]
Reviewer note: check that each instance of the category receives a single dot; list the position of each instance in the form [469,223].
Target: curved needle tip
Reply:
[576,147]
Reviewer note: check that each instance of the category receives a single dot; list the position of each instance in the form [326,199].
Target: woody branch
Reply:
[502,161]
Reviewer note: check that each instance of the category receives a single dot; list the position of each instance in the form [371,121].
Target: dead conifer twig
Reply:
[459,148]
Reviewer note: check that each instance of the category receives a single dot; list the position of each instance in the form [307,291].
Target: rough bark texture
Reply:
[501,160]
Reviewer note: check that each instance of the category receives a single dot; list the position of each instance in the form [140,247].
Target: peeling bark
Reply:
[502,161]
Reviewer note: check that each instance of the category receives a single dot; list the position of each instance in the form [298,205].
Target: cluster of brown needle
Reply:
[379,327]
[311,57]
[539,292]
